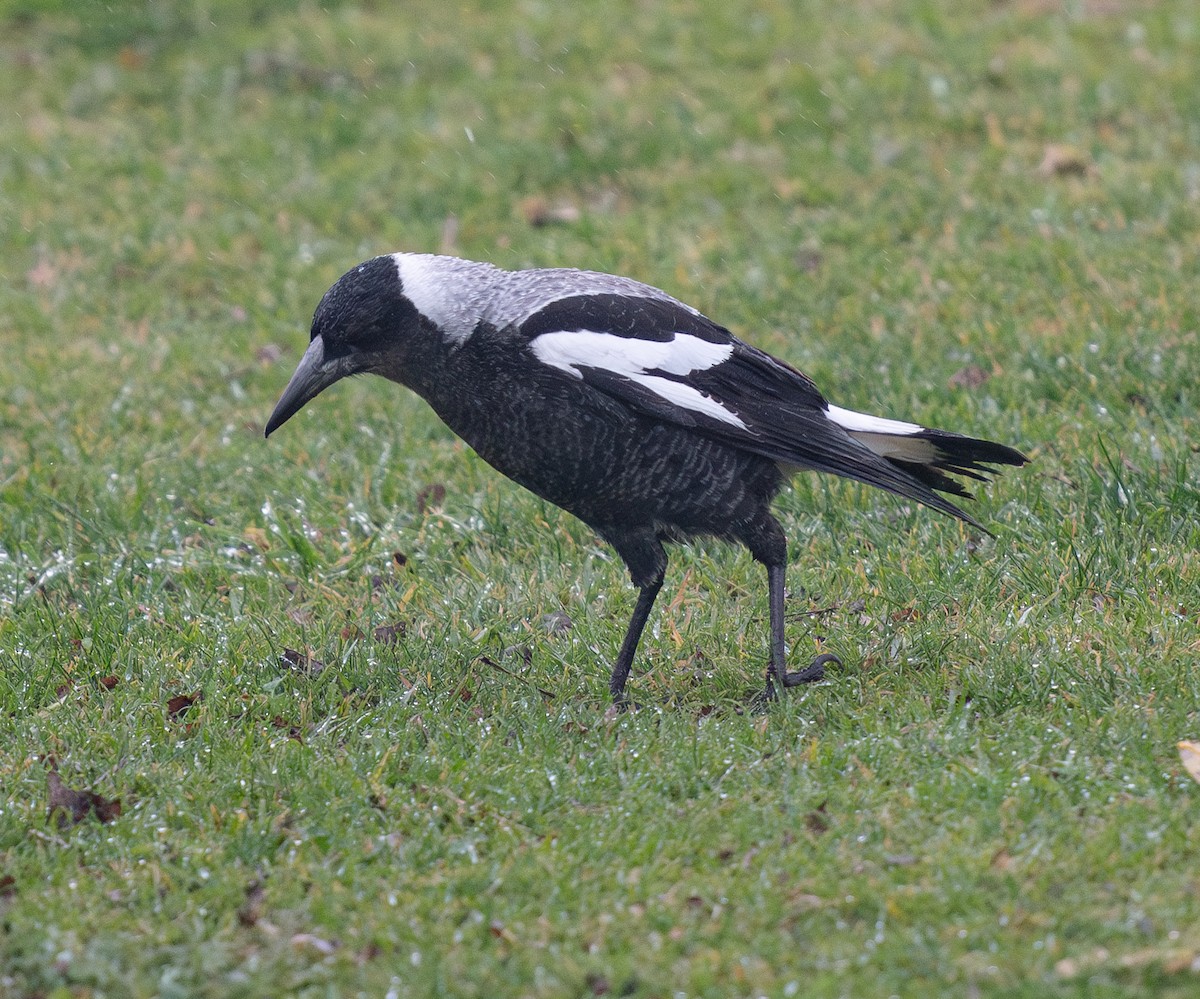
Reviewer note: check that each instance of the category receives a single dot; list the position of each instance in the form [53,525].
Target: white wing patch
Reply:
[847,419]
[887,438]
[635,359]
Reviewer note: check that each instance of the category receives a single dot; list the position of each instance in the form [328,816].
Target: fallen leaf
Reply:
[390,634]
[130,59]
[808,261]
[257,537]
[42,275]
[970,377]
[1189,753]
[314,942]
[69,807]
[557,623]
[298,662]
[597,983]
[448,244]
[8,886]
[817,820]
[538,212]
[500,931]
[179,704]
[251,909]
[108,682]
[1062,160]
[293,731]
[430,496]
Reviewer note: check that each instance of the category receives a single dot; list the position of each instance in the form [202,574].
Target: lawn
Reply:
[349,686]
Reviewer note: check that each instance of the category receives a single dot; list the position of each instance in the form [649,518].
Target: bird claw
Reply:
[814,672]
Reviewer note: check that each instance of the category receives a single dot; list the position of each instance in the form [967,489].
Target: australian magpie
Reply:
[609,398]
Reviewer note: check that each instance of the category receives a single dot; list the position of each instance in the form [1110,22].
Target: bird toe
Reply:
[814,672]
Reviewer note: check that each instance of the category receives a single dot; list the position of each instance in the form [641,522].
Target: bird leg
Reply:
[641,613]
[777,670]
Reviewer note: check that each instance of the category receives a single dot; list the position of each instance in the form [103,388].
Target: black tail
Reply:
[948,454]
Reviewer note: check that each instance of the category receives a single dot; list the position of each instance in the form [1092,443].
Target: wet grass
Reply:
[980,216]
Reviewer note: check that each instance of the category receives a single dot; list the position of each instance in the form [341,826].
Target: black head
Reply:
[358,326]
[363,312]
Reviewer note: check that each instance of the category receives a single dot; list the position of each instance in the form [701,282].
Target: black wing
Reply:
[668,362]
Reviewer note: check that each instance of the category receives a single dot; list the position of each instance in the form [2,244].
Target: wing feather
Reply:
[666,361]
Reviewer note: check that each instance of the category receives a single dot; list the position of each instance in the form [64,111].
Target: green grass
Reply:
[984,800]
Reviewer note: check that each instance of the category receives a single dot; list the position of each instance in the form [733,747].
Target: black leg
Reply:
[641,613]
[777,669]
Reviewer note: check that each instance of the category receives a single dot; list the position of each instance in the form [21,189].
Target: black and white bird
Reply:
[611,399]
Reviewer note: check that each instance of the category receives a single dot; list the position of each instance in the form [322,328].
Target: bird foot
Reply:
[623,705]
[814,672]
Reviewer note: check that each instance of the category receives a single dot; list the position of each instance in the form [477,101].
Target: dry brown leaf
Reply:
[131,59]
[817,820]
[430,496]
[311,941]
[538,212]
[251,909]
[597,984]
[42,275]
[257,537]
[298,662]
[390,634]
[293,731]
[557,622]
[177,706]
[500,931]
[1062,160]
[970,377]
[1189,753]
[69,807]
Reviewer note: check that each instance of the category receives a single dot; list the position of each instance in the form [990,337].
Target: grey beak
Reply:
[312,376]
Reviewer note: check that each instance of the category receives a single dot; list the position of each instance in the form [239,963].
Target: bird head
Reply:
[358,327]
